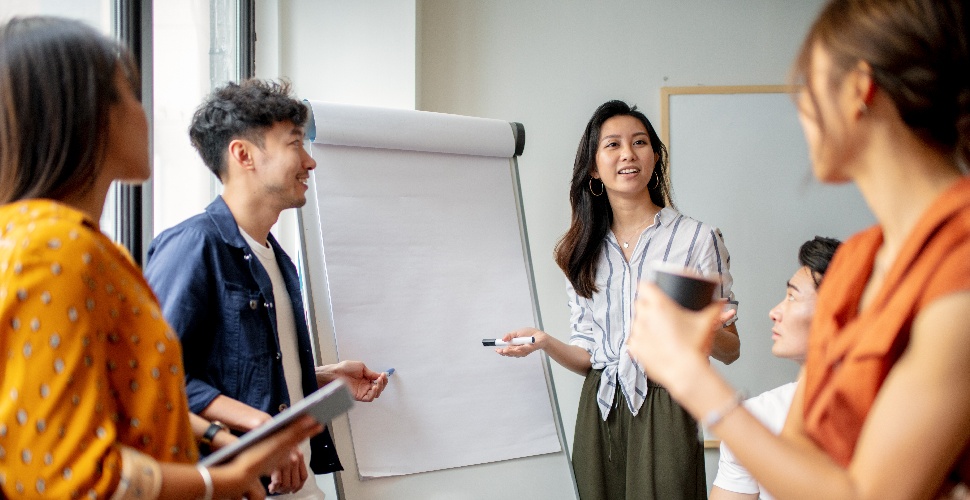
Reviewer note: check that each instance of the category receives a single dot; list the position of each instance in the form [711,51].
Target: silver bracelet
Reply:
[207,479]
[715,416]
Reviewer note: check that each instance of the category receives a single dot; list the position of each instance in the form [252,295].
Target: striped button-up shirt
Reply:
[600,324]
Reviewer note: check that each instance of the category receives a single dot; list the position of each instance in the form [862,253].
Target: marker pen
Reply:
[502,343]
[389,372]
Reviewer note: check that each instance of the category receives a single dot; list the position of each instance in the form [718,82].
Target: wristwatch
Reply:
[206,442]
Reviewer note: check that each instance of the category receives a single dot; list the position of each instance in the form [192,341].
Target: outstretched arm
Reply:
[914,432]
[571,357]
[366,384]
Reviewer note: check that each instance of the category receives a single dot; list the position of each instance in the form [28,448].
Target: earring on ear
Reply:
[656,178]
[868,80]
[594,193]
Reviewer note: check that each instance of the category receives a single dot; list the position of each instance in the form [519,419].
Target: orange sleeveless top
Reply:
[850,353]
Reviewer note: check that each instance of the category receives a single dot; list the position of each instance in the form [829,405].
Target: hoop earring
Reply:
[655,184]
[594,193]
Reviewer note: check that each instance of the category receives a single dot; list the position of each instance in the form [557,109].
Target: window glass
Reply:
[194,51]
[95,12]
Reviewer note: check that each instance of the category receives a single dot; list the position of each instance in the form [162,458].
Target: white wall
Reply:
[340,51]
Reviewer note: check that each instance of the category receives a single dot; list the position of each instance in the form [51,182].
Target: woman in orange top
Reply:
[92,398]
[883,407]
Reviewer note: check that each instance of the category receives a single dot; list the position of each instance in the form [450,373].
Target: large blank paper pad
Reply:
[424,258]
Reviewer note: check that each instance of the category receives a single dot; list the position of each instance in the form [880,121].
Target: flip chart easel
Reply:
[414,246]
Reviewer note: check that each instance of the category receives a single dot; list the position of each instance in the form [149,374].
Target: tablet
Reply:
[323,404]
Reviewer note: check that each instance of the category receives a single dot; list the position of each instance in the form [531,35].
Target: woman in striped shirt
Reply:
[632,440]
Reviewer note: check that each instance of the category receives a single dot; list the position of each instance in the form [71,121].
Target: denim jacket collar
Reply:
[225,222]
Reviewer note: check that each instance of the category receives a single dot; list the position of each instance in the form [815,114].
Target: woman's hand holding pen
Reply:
[573,358]
[519,351]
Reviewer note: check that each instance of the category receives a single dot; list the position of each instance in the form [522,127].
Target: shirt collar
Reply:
[225,223]
[666,216]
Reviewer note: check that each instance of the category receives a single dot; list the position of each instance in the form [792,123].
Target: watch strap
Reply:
[211,432]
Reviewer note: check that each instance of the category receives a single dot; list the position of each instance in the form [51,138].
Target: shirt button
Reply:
[283,406]
[253,304]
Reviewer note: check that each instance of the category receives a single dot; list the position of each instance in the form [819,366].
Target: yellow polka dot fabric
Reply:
[88,363]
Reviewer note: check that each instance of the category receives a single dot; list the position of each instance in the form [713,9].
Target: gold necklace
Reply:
[626,241]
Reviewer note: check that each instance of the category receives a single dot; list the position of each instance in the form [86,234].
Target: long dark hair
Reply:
[577,251]
[919,52]
[57,83]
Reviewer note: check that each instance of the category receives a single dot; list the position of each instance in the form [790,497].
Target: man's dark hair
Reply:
[815,254]
[241,111]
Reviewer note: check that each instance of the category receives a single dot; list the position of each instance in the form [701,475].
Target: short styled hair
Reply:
[815,254]
[241,111]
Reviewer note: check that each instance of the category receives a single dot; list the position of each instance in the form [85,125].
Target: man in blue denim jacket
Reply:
[230,291]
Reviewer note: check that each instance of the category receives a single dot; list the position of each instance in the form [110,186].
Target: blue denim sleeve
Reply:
[178,268]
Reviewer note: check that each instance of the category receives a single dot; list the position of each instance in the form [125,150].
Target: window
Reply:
[194,52]
[190,48]
[95,12]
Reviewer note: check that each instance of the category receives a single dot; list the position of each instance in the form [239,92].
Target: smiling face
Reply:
[793,317]
[624,157]
[283,166]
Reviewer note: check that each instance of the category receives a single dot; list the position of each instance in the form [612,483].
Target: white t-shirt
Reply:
[290,353]
[771,408]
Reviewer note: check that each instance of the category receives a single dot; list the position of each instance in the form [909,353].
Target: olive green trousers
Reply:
[656,454]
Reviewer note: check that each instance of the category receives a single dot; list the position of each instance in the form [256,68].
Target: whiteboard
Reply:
[415,248]
[738,161]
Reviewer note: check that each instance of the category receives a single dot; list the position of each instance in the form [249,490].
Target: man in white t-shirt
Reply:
[792,318]
[230,291]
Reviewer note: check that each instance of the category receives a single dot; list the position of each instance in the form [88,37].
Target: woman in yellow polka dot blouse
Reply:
[92,398]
